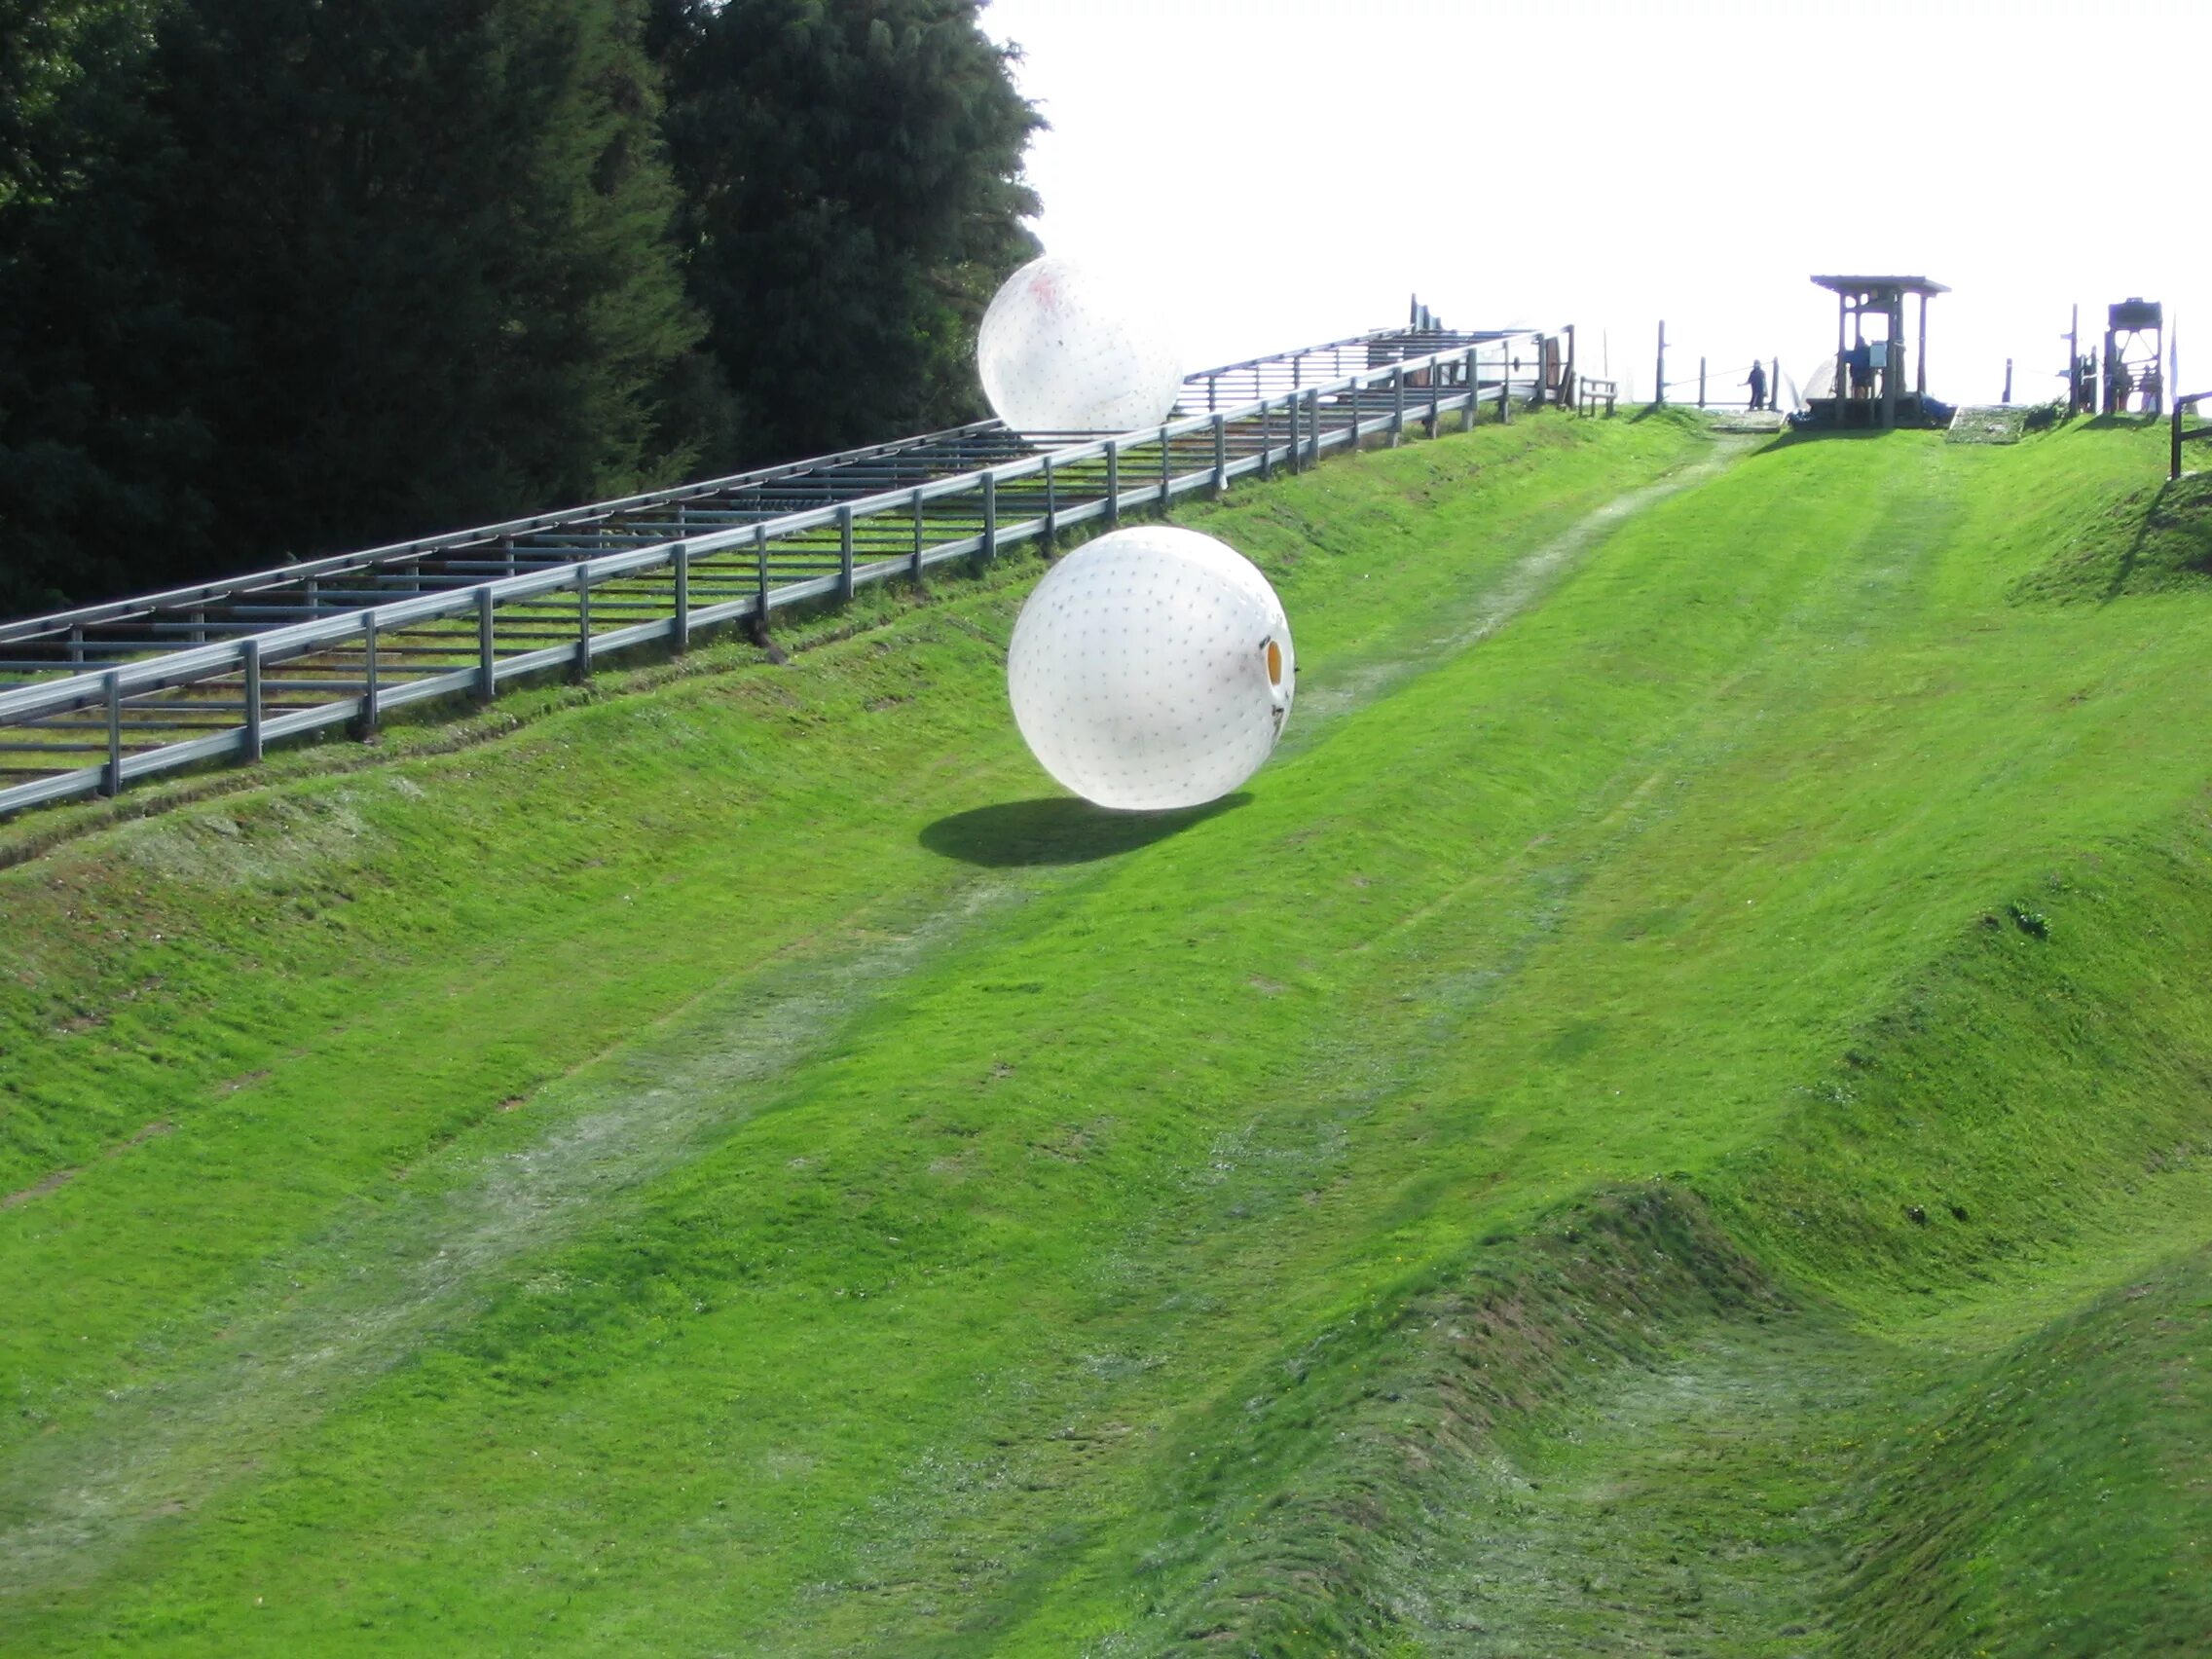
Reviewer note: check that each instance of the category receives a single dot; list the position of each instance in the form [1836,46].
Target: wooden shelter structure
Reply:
[2131,371]
[1869,387]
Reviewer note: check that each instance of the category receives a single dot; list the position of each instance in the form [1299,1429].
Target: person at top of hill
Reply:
[1757,383]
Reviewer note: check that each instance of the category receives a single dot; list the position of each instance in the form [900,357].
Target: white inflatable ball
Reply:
[1152,669]
[1061,350]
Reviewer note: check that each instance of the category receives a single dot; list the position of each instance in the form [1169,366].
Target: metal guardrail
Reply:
[344,641]
[2185,404]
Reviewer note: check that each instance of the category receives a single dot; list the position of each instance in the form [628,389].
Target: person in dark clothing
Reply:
[1757,383]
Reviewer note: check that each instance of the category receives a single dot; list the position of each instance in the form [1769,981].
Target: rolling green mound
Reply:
[1675,1116]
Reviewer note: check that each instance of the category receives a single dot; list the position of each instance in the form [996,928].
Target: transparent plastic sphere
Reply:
[1152,669]
[1062,350]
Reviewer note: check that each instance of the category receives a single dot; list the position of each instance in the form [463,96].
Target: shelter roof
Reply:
[1920,286]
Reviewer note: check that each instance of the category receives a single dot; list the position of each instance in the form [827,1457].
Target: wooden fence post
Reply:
[249,648]
[487,682]
[681,631]
[583,619]
[371,691]
[111,775]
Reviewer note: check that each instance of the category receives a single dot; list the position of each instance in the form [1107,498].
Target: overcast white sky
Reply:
[1291,170]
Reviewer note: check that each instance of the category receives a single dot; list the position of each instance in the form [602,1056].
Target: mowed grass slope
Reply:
[1700,1022]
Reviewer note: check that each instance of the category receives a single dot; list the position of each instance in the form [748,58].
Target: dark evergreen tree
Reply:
[433,232]
[851,173]
[96,458]
[341,271]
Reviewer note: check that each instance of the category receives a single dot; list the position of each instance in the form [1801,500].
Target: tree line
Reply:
[279,278]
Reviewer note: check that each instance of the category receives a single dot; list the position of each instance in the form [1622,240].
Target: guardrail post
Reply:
[250,651]
[1220,456]
[77,646]
[1398,404]
[1113,480]
[1700,383]
[1473,396]
[1536,396]
[487,663]
[1165,474]
[371,692]
[1290,406]
[508,552]
[760,576]
[1267,438]
[990,516]
[918,536]
[680,635]
[583,619]
[1435,397]
[111,776]
[199,634]
[1505,386]
[845,550]
[1313,425]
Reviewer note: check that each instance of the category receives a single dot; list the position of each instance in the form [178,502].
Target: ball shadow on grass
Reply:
[1058,830]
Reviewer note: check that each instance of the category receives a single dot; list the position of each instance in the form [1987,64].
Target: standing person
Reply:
[1757,383]
[1861,371]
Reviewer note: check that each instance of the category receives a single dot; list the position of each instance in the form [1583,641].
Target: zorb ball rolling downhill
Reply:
[1152,669]
[1060,351]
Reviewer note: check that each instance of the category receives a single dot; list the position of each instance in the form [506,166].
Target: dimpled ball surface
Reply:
[1061,350]
[1152,669]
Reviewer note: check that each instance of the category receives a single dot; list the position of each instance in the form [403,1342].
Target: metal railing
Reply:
[220,670]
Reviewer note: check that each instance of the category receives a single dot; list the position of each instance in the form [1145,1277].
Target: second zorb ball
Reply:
[1152,669]
[1061,350]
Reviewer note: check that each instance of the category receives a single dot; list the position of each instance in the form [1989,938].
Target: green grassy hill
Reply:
[1675,1116]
